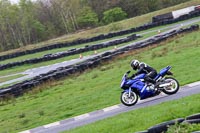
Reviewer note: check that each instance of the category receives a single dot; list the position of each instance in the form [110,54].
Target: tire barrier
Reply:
[24,86]
[181,14]
[68,44]
[194,121]
[195,116]
[163,127]
[153,24]
[58,55]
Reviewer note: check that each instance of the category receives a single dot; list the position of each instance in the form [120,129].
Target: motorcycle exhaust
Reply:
[166,84]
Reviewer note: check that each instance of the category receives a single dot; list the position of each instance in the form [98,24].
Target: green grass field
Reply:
[87,92]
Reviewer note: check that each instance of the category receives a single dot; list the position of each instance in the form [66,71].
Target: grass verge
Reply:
[4,79]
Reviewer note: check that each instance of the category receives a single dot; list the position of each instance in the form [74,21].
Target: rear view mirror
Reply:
[128,72]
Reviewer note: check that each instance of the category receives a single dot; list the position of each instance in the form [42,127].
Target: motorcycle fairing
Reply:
[141,87]
[163,72]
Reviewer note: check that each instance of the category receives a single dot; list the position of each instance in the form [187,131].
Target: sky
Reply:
[16,1]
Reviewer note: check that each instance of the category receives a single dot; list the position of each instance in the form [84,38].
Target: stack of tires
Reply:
[163,127]
[178,15]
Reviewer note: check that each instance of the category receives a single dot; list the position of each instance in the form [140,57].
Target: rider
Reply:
[144,68]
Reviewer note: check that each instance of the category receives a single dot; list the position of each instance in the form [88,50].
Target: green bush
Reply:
[113,15]
[87,18]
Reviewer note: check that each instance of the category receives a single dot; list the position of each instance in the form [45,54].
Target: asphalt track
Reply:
[91,117]
[44,69]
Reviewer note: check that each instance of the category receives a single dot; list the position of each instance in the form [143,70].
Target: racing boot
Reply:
[156,85]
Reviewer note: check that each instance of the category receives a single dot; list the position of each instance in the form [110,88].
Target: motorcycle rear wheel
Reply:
[173,88]
[129,101]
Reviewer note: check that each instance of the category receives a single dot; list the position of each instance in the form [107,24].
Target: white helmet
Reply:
[135,64]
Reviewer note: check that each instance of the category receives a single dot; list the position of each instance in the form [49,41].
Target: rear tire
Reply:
[129,101]
[172,89]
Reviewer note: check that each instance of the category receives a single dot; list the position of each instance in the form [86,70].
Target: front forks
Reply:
[129,92]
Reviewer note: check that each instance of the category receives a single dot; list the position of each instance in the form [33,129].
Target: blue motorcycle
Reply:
[136,88]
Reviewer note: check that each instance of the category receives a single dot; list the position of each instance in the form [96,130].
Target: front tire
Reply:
[173,88]
[129,101]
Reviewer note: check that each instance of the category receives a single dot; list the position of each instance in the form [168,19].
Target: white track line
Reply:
[111,108]
[81,116]
[52,124]
[194,84]
[27,131]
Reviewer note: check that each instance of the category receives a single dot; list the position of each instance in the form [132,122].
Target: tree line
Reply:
[30,22]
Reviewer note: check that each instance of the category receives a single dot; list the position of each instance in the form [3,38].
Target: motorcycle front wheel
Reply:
[173,87]
[129,101]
